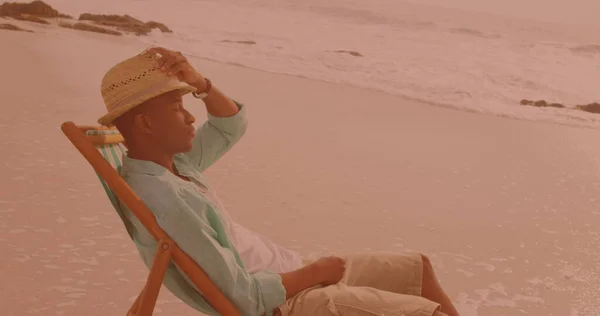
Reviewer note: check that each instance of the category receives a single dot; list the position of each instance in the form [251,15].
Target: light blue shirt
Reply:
[197,226]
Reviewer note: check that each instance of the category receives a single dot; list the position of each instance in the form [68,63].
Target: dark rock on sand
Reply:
[239,42]
[351,52]
[157,25]
[591,107]
[10,27]
[34,11]
[90,28]
[541,104]
[29,18]
[591,49]
[124,23]
[35,8]
[38,11]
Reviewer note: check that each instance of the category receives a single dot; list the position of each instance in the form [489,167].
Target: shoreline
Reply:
[567,117]
[412,100]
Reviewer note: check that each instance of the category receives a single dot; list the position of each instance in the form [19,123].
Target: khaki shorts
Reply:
[377,283]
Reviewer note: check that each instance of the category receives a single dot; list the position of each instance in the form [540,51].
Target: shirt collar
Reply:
[136,166]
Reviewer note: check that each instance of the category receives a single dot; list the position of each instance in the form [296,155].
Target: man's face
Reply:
[168,123]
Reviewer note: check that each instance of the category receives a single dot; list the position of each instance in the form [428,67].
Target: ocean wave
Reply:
[378,13]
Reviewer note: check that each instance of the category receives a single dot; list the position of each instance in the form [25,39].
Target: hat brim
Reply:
[109,118]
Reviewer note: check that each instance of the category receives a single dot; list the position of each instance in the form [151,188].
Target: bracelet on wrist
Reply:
[203,94]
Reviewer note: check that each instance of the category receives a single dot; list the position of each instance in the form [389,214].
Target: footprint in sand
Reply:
[467,273]
[488,267]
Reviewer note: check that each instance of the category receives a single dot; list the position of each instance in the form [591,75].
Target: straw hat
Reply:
[133,81]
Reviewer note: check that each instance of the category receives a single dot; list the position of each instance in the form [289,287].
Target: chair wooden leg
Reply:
[133,311]
[146,301]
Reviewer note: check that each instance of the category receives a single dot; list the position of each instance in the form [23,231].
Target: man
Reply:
[164,164]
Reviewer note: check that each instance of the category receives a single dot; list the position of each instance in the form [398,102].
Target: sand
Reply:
[506,209]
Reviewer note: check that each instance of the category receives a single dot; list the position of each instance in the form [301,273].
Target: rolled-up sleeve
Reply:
[200,234]
[216,136]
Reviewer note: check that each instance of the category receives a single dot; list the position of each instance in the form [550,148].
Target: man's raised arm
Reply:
[226,122]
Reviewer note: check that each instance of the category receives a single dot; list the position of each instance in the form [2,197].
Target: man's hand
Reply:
[330,270]
[323,272]
[174,63]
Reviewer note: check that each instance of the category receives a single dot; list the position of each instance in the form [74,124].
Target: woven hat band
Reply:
[145,94]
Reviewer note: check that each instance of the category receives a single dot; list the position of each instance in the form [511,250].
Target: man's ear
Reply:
[143,123]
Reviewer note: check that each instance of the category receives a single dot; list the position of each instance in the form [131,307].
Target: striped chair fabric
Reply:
[113,153]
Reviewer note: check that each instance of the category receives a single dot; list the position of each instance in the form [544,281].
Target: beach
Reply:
[506,209]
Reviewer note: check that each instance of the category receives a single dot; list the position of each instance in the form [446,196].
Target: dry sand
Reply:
[506,209]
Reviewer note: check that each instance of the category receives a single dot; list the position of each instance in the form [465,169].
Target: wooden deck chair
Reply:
[103,148]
